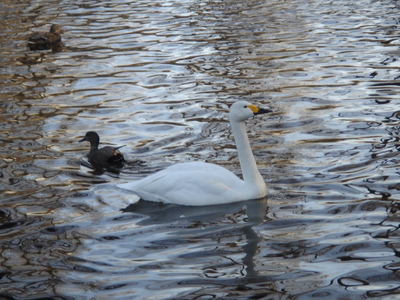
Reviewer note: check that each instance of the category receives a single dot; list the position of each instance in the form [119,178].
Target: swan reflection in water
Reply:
[256,210]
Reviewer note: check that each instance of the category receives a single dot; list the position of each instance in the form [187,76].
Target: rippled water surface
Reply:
[158,77]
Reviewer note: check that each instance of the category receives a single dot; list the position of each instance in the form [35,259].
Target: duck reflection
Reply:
[100,168]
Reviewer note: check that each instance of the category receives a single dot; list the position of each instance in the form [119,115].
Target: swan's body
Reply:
[200,183]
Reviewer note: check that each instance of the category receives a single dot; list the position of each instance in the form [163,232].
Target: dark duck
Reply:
[46,40]
[107,157]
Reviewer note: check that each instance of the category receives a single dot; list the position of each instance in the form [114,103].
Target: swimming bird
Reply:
[200,183]
[46,40]
[103,157]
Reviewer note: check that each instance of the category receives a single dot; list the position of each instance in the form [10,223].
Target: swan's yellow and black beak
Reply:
[258,111]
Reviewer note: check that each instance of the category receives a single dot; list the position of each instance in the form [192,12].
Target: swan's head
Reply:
[243,110]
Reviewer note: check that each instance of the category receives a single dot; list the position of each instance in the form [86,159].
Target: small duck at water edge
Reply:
[46,40]
[107,157]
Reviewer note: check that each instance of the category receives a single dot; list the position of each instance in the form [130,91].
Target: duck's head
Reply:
[55,28]
[243,110]
[92,137]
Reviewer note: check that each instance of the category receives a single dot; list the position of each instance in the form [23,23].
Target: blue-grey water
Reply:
[158,76]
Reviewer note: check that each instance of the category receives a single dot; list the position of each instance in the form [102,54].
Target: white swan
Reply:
[200,183]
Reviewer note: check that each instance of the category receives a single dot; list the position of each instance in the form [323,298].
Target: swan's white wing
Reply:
[194,183]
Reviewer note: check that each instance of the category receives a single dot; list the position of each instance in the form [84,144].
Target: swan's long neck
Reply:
[251,175]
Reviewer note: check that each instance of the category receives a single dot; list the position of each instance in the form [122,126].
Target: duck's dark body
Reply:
[106,155]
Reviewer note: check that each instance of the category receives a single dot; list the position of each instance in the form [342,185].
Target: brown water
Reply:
[158,76]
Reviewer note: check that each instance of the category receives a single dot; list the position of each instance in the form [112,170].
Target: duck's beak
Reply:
[82,140]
